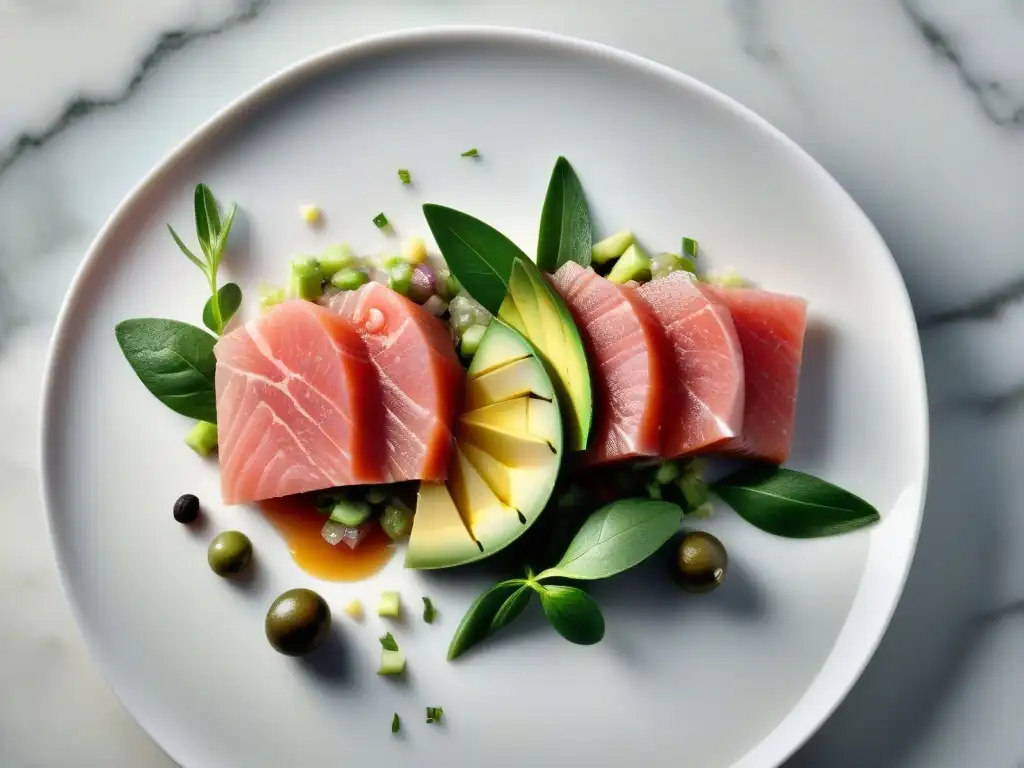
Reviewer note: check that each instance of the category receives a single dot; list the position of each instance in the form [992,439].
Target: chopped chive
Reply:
[381,220]
[404,175]
[434,714]
[429,612]
[396,724]
[389,643]
[690,247]
[474,152]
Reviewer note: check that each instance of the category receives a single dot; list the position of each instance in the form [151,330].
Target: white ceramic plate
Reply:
[740,677]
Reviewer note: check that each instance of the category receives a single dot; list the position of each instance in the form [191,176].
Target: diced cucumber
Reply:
[667,473]
[202,438]
[349,279]
[306,280]
[612,246]
[391,663]
[271,296]
[396,521]
[730,278]
[351,513]
[634,264]
[390,605]
[376,495]
[471,338]
[336,258]
[400,278]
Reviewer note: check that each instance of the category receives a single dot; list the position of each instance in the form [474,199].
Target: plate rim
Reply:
[764,753]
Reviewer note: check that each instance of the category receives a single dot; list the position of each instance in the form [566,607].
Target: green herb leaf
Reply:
[184,249]
[429,612]
[617,537]
[207,221]
[476,624]
[566,233]
[512,608]
[229,297]
[175,361]
[396,724]
[793,504]
[479,256]
[381,220]
[388,642]
[573,614]
[474,152]
[404,176]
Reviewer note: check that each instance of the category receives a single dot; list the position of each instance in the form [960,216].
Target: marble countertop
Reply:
[916,107]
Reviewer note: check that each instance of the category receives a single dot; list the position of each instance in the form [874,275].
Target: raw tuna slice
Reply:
[628,353]
[770,327]
[706,385]
[419,375]
[298,405]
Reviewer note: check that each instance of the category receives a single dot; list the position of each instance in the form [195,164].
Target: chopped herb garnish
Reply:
[429,612]
[690,247]
[396,724]
[388,641]
[381,220]
[434,714]
[404,175]
[474,152]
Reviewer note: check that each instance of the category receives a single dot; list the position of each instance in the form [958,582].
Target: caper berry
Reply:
[298,622]
[186,508]
[229,553]
[701,562]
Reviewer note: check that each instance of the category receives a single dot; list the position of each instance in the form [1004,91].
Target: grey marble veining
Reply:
[916,106]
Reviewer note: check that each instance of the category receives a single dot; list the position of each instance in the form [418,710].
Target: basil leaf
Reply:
[207,221]
[229,297]
[511,609]
[616,537]
[476,624]
[793,504]
[479,256]
[566,233]
[573,614]
[175,361]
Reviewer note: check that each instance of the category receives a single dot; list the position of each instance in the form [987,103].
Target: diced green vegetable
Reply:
[429,612]
[453,288]
[396,723]
[351,513]
[687,265]
[391,663]
[349,279]
[400,277]
[474,152]
[434,714]
[730,278]
[271,296]
[390,605]
[381,221]
[335,258]
[396,521]
[634,264]
[405,176]
[612,246]
[388,642]
[693,486]
[653,489]
[471,340]
[415,251]
[376,495]
[690,247]
[202,438]
[667,473]
[307,280]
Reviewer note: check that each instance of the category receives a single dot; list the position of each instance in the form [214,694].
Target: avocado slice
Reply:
[508,450]
[536,310]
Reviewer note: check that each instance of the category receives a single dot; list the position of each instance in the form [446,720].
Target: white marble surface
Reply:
[917,107]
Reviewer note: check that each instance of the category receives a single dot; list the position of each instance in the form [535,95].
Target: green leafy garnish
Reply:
[479,256]
[566,233]
[396,723]
[429,612]
[388,642]
[613,539]
[229,297]
[381,220]
[474,152]
[175,362]
[793,504]
[690,247]
[434,714]
[213,239]
[405,176]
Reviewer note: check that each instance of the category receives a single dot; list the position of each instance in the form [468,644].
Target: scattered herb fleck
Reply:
[690,247]
[429,612]
[381,220]
[389,643]
[474,152]
[434,714]
[405,176]
[396,724]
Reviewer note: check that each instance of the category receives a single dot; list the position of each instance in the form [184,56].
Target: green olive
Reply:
[229,553]
[701,562]
[298,622]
